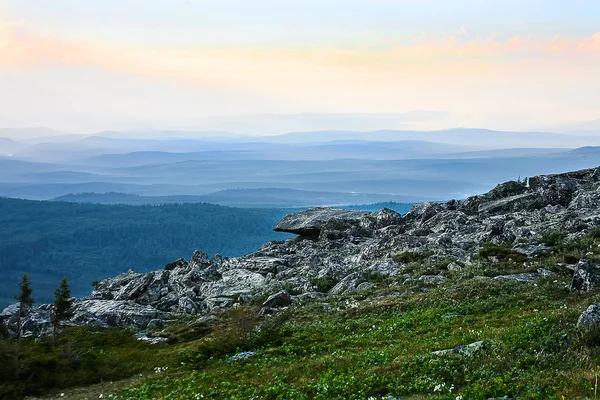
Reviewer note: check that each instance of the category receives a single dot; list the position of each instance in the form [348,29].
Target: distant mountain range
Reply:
[293,170]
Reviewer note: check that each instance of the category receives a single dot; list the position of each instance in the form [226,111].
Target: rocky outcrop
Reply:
[338,252]
[310,222]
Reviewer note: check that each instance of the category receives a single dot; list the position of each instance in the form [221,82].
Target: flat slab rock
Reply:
[310,222]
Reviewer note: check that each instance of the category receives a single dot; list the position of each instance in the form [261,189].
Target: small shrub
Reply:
[324,284]
[184,333]
[406,257]
[570,258]
[375,277]
[291,289]
[594,233]
[503,252]
[554,238]
[241,330]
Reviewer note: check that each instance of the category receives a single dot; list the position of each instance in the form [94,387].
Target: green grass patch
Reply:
[365,345]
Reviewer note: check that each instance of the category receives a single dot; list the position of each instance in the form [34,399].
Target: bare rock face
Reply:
[336,251]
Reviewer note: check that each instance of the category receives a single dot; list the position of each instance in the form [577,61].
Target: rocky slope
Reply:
[338,251]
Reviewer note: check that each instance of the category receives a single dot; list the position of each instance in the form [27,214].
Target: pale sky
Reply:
[85,66]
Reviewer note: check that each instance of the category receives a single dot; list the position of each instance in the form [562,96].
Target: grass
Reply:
[369,345]
[503,252]
[384,348]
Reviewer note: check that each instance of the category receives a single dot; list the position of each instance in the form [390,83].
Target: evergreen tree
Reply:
[25,302]
[62,306]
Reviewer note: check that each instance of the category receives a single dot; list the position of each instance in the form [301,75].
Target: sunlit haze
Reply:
[87,66]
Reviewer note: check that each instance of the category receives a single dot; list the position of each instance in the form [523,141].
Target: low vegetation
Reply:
[366,345]
[501,252]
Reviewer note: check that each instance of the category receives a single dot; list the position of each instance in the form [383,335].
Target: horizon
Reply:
[36,134]
[200,65]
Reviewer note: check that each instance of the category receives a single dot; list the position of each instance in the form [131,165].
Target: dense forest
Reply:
[89,242]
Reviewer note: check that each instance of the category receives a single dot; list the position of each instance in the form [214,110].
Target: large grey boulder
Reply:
[533,250]
[589,320]
[116,313]
[436,279]
[310,222]
[585,276]
[465,349]
[525,277]
[385,268]
[277,300]
[35,322]
[349,284]
[9,312]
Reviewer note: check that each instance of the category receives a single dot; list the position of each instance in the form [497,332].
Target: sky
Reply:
[86,66]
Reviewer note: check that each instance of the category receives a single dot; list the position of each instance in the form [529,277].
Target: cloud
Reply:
[426,70]
[461,56]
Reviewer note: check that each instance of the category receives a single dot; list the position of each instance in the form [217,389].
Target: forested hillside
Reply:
[89,242]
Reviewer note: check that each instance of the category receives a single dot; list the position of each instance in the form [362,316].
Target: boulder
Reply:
[348,284]
[465,349]
[454,267]
[200,259]
[116,313]
[523,278]
[433,279]
[385,268]
[386,217]
[277,300]
[242,355]
[310,222]
[263,265]
[585,276]
[9,312]
[237,280]
[544,273]
[589,320]
[179,263]
[533,250]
